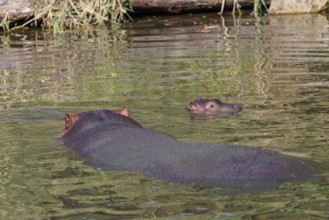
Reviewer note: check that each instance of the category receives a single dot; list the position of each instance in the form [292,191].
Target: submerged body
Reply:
[212,107]
[118,142]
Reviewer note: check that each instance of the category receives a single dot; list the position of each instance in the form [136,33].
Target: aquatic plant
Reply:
[258,6]
[60,15]
[4,24]
[237,7]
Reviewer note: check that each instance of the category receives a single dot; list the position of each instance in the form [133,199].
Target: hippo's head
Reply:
[211,107]
[92,118]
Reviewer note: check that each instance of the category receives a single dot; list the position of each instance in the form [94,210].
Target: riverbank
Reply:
[73,14]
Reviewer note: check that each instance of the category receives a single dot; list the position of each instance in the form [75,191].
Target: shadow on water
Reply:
[277,69]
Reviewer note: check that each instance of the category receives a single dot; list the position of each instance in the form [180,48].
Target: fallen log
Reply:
[23,9]
[15,10]
[184,6]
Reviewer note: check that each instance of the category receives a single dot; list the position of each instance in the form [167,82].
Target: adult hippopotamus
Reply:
[117,142]
[203,106]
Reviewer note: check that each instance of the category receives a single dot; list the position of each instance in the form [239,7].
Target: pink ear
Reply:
[192,106]
[68,121]
[125,111]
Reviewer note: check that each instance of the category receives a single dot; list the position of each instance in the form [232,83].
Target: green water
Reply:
[276,68]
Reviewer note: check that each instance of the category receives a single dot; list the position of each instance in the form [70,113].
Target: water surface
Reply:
[276,67]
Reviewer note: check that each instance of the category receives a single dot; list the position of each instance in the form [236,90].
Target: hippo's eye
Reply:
[212,106]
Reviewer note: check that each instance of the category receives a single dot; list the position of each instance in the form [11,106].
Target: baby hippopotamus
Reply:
[203,106]
[115,141]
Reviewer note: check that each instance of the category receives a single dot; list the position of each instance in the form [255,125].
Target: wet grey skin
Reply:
[115,142]
[203,106]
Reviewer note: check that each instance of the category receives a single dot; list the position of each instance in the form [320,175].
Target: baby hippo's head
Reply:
[203,106]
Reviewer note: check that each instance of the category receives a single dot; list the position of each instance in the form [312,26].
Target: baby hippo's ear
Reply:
[125,111]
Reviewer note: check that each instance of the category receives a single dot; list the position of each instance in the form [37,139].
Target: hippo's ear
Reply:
[69,121]
[125,111]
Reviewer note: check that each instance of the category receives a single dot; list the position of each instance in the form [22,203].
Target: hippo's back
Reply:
[118,142]
[161,156]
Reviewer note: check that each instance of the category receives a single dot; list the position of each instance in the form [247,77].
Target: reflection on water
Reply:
[277,68]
